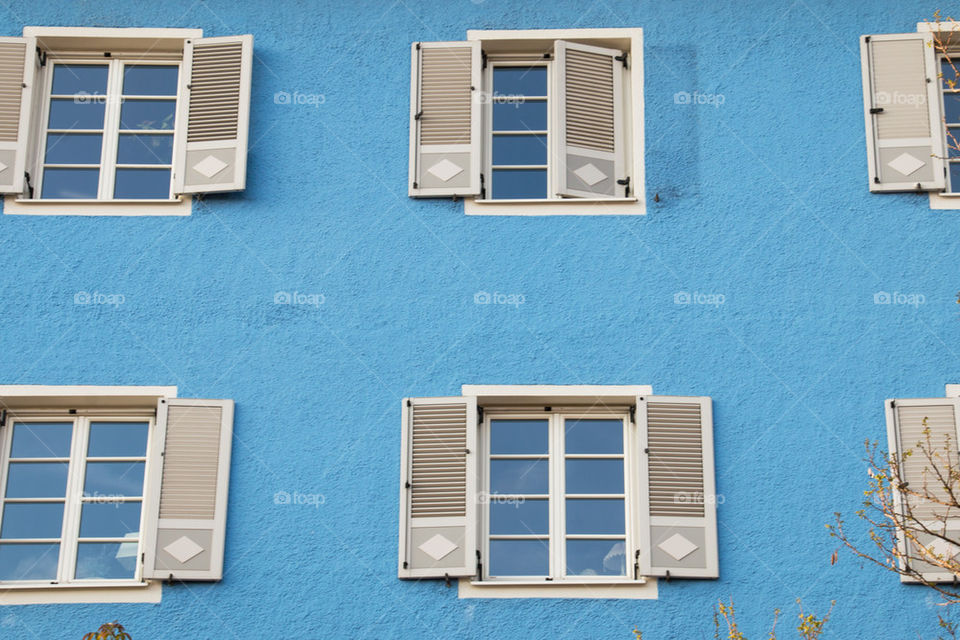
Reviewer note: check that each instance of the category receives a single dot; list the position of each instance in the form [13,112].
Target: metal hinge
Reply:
[483,57]
[633,414]
[26,174]
[625,182]
[622,58]
[42,55]
[3,418]
[479,416]
[636,565]
[483,187]
[479,566]
[876,110]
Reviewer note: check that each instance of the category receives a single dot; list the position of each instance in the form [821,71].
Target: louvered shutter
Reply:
[905,432]
[18,71]
[186,505]
[678,533]
[438,488]
[590,115]
[213,115]
[445,119]
[901,99]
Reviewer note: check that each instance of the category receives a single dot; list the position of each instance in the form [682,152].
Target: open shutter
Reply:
[905,430]
[590,121]
[186,505]
[438,488]
[18,70]
[445,119]
[213,115]
[901,101]
[678,532]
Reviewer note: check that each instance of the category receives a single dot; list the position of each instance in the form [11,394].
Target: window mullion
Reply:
[73,502]
[41,130]
[556,496]
[111,127]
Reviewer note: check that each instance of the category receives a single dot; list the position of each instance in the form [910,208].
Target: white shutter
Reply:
[905,431]
[186,503]
[445,119]
[18,73]
[901,101]
[438,488]
[213,115]
[590,121]
[678,532]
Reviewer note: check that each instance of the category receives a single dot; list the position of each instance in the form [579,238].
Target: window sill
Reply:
[643,589]
[22,206]
[82,593]
[556,207]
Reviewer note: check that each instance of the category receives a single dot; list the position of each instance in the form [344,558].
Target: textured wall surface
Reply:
[763,199]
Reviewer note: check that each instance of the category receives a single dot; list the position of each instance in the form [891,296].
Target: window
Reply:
[109,131]
[72,499]
[950,91]
[108,488]
[121,121]
[557,490]
[530,122]
[561,489]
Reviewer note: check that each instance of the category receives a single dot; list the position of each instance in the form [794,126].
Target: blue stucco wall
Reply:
[763,199]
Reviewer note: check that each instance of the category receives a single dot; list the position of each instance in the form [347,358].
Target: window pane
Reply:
[586,516]
[117,439]
[29,561]
[147,114]
[519,436]
[41,440]
[519,149]
[596,558]
[69,79]
[70,183]
[519,557]
[110,520]
[951,106]
[519,476]
[949,75]
[953,142]
[954,177]
[144,149]
[37,479]
[519,183]
[106,560]
[70,113]
[32,520]
[114,479]
[520,81]
[527,517]
[593,436]
[594,476]
[73,148]
[519,116]
[142,184]
[150,80]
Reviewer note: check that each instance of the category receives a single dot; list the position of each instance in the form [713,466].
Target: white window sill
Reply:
[643,589]
[104,592]
[556,207]
[944,201]
[35,207]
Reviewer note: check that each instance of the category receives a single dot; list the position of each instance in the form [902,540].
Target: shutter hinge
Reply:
[479,566]
[647,450]
[483,57]
[418,46]
[636,565]
[893,403]
[3,418]
[479,416]
[548,56]
[483,187]
[876,179]
[668,575]
[876,110]
[409,401]
[170,580]
[26,174]
[622,58]
[42,56]
[405,564]
[633,414]
[625,182]
[407,485]
[418,115]
[446,579]
[414,185]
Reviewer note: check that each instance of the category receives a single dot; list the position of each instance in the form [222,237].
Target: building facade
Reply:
[248,253]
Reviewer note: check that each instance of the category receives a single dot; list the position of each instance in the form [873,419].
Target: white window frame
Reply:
[523,40]
[75,497]
[945,199]
[88,44]
[53,402]
[594,401]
